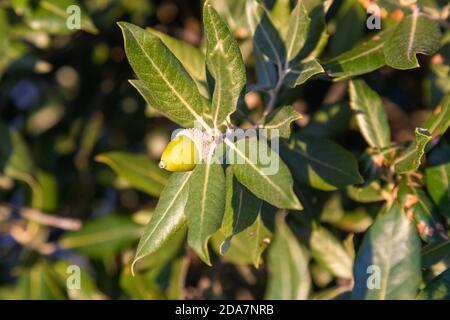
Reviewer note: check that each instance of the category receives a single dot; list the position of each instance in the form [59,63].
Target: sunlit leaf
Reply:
[289,277]
[281,120]
[205,206]
[225,64]
[320,163]
[411,158]
[260,169]
[102,237]
[168,217]
[168,86]
[370,114]
[416,34]
[138,170]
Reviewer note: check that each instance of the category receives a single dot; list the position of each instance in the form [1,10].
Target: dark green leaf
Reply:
[438,288]
[263,172]
[168,86]
[266,37]
[329,252]
[365,57]
[435,252]
[439,121]
[40,282]
[350,25]
[437,176]
[300,73]
[168,217]
[389,257]
[205,206]
[411,158]
[281,120]
[247,246]
[102,237]
[329,121]
[420,209]
[241,209]
[320,163]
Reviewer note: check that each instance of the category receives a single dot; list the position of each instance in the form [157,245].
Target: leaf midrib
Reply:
[186,104]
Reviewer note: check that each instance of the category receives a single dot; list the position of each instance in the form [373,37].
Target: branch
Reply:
[45,219]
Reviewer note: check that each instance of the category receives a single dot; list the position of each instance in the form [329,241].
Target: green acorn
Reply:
[182,153]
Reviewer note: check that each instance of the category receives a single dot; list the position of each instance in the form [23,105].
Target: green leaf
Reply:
[265,36]
[205,206]
[16,162]
[168,217]
[300,73]
[329,121]
[320,163]
[289,277]
[393,247]
[265,70]
[168,86]
[439,120]
[138,170]
[415,34]
[40,282]
[241,209]
[367,194]
[420,209]
[225,64]
[329,252]
[261,170]
[317,35]
[435,252]
[247,246]
[192,59]
[281,119]
[160,257]
[350,26]
[438,288]
[280,10]
[365,57]
[102,237]
[297,32]
[437,176]
[370,114]
[411,158]
[178,272]
[142,286]
[54,17]
[233,11]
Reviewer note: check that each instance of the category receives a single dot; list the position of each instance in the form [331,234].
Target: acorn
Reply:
[182,153]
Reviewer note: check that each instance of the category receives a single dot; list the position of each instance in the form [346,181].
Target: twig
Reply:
[46,219]
[274,92]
